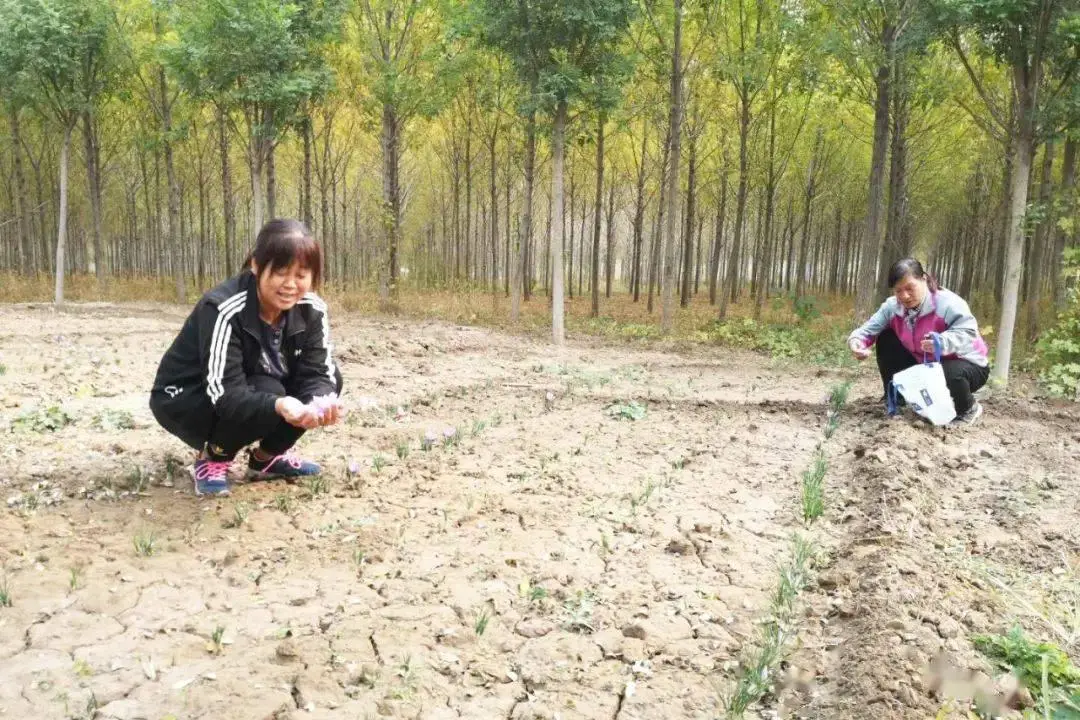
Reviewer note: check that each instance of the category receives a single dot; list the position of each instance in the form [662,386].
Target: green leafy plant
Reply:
[109,420]
[579,612]
[1057,354]
[805,308]
[378,462]
[40,420]
[1042,667]
[402,449]
[5,591]
[632,410]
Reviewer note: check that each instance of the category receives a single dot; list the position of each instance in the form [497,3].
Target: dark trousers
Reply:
[197,425]
[962,377]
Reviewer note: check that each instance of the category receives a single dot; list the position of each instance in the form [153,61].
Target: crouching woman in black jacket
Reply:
[253,363]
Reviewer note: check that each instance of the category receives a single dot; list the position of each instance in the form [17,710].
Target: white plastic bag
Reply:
[924,388]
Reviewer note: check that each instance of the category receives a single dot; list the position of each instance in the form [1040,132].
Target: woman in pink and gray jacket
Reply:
[904,329]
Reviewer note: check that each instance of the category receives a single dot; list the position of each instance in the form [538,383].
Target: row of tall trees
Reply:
[743,149]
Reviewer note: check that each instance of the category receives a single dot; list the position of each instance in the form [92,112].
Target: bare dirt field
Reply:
[508,530]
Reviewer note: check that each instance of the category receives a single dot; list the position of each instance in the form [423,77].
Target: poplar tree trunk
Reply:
[1068,185]
[558,132]
[597,216]
[667,312]
[61,230]
[866,286]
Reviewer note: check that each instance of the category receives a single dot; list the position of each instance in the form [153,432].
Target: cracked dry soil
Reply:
[532,564]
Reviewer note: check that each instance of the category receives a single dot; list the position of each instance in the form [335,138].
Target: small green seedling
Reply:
[136,480]
[317,485]
[813,480]
[74,577]
[579,612]
[378,463]
[402,449]
[838,396]
[481,622]
[145,543]
[283,502]
[5,591]
[215,646]
[239,517]
[832,425]
[639,499]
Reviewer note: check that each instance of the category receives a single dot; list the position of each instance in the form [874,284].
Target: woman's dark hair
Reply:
[910,266]
[283,241]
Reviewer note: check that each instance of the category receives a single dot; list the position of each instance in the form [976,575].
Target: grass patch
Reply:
[1042,667]
[5,591]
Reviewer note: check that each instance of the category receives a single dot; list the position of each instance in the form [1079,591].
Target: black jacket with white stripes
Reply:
[218,349]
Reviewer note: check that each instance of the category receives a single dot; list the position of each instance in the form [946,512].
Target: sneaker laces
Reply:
[288,456]
[212,470]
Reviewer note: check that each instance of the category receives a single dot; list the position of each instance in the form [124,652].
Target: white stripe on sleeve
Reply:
[219,343]
[319,304]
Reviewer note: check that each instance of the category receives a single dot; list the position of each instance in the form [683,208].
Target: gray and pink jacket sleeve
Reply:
[943,312]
